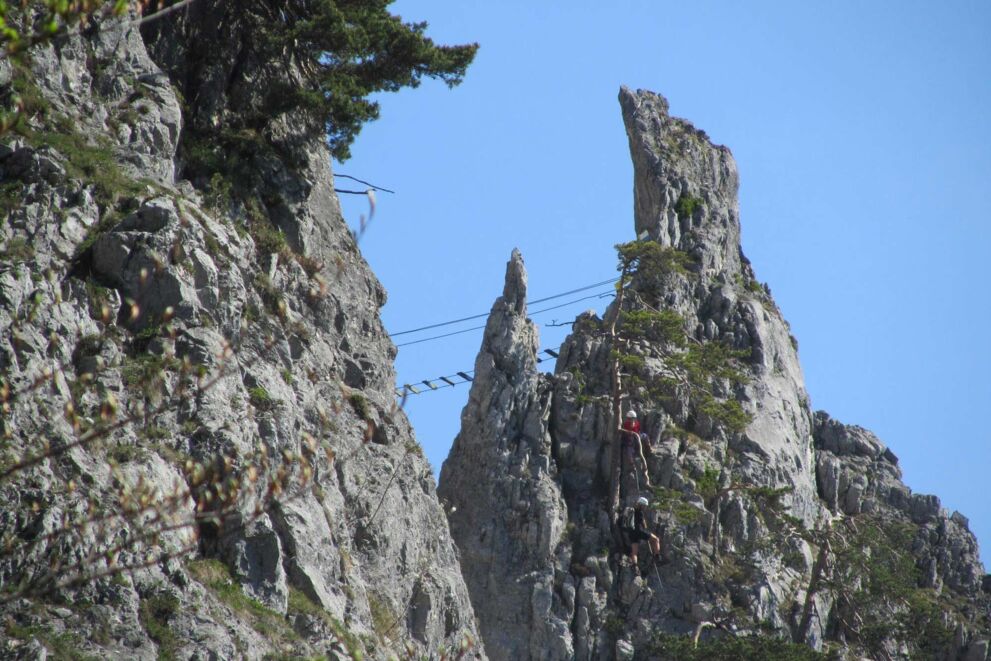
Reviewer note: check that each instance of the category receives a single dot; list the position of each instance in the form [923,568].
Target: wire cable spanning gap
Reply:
[475,328]
[362,181]
[485,314]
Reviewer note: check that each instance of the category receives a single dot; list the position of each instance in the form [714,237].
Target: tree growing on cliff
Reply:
[690,366]
[356,48]
[349,50]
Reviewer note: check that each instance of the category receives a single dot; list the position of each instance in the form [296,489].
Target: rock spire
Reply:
[776,522]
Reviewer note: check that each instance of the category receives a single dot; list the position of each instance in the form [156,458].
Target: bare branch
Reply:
[362,181]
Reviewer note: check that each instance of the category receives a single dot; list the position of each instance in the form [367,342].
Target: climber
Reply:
[633,442]
[633,527]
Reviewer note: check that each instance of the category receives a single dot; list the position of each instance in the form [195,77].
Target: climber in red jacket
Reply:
[633,444]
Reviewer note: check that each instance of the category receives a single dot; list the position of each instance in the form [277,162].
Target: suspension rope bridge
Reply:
[456,379]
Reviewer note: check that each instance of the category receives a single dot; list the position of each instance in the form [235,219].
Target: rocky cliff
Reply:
[201,453]
[784,532]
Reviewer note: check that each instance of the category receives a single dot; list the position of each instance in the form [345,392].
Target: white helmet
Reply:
[631,414]
[642,502]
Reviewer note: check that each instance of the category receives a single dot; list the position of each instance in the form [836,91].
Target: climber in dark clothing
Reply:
[635,531]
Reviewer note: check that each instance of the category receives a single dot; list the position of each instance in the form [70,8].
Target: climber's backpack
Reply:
[628,520]
[625,522]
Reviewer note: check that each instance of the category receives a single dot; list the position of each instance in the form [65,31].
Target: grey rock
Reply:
[532,454]
[153,216]
[214,369]
[508,561]
[624,650]
[254,557]
[977,651]
[32,165]
[32,651]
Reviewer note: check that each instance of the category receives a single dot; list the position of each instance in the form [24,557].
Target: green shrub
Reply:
[713,360]
[927,623]
[686,205]
[673,502]
[728,412]
[651,259]
[99,298]
[146,373]
[360,405]
[23,85]
[218,196]
[215,576]
[260,398]
[670,647]
[614,625]
[794,559]
[123,453]
[11,196]
[383,618]
[94,164]
[89,345]
[629,362]
[707,483]
[665,326]
[581,397]
[250,313]
[65,645]
[299,603]
[271,297]
[686,514]
[876,559]
[155,614]
[269,239]
[148,333]
[154,433]
[137,370]
[769,497]
[17,251]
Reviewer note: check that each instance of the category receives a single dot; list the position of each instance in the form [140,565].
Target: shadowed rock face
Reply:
[290,341]
[756,519]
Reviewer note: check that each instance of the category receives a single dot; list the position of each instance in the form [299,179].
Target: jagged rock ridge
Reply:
[775,522]
[115,271]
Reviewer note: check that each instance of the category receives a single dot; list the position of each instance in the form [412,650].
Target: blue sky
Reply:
[862,136]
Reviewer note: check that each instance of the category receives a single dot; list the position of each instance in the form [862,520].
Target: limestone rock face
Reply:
[773,521]
[156,333]
[857,474]
[509,531]
[673,161]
